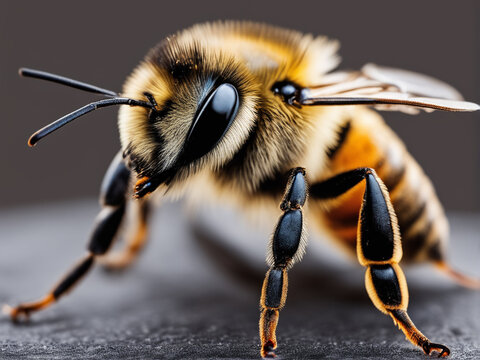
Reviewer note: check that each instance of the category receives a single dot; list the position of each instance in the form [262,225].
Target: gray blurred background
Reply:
[100,43]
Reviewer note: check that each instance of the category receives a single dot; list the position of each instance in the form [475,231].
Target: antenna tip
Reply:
[20,71]
[32,141]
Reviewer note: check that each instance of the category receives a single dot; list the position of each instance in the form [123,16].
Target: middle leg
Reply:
[286,247]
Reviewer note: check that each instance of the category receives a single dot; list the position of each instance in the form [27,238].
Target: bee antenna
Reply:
[43,75]
[115,100]
[40,134]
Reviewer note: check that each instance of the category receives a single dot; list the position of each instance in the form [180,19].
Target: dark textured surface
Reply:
[192,296]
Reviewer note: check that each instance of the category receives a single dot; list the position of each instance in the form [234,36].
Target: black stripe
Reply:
[436,252]
[414,244]
[394,177]
[348,221]
[274,185]
[342,134]
[407,220]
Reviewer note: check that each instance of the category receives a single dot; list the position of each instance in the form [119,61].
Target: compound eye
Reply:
[212,120]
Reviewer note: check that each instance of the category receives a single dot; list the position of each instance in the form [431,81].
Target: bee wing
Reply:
[386,89]
[412,82]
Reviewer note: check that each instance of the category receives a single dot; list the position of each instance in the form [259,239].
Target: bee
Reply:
[256,113]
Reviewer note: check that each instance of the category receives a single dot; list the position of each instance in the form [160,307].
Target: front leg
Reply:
[135,240]
[286,247]
[379,248]
[113,197]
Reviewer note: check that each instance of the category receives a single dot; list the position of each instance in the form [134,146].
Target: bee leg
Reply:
[286,246]
[135,242]
[113,197]
[379,249]
[461,279]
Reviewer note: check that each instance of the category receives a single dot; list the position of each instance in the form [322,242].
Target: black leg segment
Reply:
[275,288]
[71,278]
[376,230]
[105,229]
[297,191]
[386,285]
[115,182]
[337,185]
[287,237]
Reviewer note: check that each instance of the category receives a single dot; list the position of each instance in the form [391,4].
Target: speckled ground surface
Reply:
[194,294]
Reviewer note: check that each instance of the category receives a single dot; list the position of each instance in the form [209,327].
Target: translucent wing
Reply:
[386,89]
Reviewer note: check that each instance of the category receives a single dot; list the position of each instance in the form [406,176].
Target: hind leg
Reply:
[113,199]
[379,250]
[458,277]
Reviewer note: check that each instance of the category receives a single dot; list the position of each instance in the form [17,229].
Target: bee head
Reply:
[204,110]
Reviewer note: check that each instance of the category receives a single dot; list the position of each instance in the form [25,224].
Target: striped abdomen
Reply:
[366,141]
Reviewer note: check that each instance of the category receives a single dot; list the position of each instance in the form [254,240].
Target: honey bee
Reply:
[254,113]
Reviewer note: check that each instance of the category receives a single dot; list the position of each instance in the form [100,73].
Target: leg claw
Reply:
[442,350]
[268,351]
[16,312]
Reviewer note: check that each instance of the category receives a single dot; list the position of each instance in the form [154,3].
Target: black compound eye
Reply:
[212,120]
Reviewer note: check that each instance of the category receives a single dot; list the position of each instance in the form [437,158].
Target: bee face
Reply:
[205,110]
